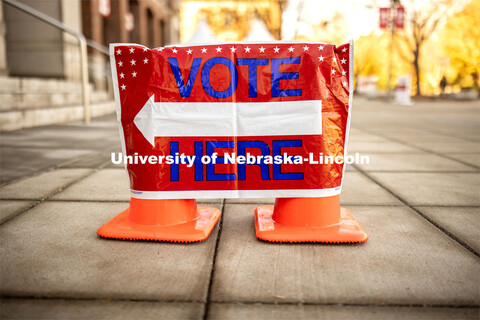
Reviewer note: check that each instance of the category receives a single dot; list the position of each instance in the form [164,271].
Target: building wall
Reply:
[151,27]
[33,47]
[155,22]
[71,54]
[40,65]
[3,54]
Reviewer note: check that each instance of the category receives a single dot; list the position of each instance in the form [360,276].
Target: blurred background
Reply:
[416,114]
[422,48]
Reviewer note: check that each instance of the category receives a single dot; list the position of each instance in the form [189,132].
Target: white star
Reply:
[321,58]
[343,61]
[247,49]
[276,49]
[344,49]
[219,49]
[145,61]
[204,50]
[334,59]
[122,75]
[345,83]
[290,49]
[160,49]
[119,51]
[131,50]
[120,63]
[305,48]
[233,49]
[344,73]
[123,87]
[320,48]
[134,74]
[133,62]
[262,49]
[174,50]
[145,49]
[333,71]
[189,51]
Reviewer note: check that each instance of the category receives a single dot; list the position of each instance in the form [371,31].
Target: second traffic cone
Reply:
[308,220]
[162,220]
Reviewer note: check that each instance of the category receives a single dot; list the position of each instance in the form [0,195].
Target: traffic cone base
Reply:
[162,220]
[308,220]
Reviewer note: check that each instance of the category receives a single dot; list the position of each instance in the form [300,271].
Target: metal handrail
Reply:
[103,49]
[82,42]
[97,46]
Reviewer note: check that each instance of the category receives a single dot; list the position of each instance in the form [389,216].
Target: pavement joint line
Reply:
[423,130]
[422,149]
[105,299]
[89,201]
[390,153]
[30,175]
[93,153]
[342,203]
[231,203]
[419,171]
[37,147]
[39,201]
[445,231]
[349,304]
[206,310]
[104,201]
[52,168]
[372,205]
[447,135]
[35,203]
[444,206]
[73,160]
[267,303]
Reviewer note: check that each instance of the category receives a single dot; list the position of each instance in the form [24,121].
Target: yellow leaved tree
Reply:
[460,40]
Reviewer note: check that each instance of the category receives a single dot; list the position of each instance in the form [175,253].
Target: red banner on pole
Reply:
[384,17]
[129,21]
[104,8]
[400,18]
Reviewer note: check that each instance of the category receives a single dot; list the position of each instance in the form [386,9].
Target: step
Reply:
[37,85]
[15,101]
[18,119]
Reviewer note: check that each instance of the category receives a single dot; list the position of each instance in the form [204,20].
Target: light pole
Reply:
[395,4]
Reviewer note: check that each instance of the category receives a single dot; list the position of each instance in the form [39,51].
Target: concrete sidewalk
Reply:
[418,200]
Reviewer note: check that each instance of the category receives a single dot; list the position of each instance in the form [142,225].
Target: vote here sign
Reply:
[233,119]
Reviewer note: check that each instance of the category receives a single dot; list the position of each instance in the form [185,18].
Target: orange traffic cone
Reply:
[162,220]
[307,220]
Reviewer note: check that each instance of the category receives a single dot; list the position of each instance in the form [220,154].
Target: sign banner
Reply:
[104,8]
[400,18]
[384,17]
[129,21]
[233,119]
[403,89]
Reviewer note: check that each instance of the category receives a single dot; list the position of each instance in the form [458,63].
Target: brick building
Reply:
[40,65]
[152,23]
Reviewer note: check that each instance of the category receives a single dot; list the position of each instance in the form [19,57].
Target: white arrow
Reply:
[228,119]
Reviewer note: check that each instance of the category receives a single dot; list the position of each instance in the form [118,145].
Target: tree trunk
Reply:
[475,83]
[416,66]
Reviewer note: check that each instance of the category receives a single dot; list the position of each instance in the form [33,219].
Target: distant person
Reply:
[443,85]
